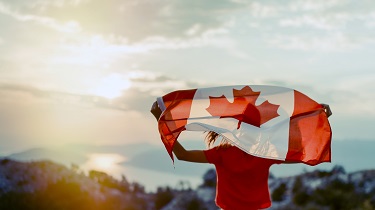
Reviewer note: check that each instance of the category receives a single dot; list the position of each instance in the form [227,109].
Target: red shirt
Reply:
[242,179]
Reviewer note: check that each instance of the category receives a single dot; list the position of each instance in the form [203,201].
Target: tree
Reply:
[300,197]
[278,193]
[195,204]
[209,178]
[163,197]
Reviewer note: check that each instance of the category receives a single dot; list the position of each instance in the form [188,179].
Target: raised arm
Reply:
[181,153]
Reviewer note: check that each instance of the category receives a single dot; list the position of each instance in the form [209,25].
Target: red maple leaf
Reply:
[243,107]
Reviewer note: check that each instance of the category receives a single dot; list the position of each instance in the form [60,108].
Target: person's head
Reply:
[212,136]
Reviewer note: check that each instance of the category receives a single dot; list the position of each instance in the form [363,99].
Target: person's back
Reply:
[242,178]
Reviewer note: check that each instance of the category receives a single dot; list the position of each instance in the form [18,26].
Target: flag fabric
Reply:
[265,121]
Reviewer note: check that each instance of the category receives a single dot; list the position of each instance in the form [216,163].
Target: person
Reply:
[242,179]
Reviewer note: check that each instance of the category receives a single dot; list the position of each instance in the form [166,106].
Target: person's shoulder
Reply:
[241,153]
[213,155]
[231,151]
[270,160]
[227,148]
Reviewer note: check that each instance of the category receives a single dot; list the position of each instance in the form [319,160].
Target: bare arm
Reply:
[196,156]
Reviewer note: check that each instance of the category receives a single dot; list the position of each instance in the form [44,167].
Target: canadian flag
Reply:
[265,121]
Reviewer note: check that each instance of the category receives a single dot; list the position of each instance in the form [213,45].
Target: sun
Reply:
[112,86]
[105,162]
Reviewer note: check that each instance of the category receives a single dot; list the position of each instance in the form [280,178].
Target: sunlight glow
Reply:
[112,86]
[104,162]
[107,162]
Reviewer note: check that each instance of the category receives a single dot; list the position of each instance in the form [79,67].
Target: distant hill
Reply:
[56,155]
[158,160]
[352,155]
[79,153]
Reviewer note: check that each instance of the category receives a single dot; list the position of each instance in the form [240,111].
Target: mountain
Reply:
[78,153]
[352,155]
[65,157]
[158,160]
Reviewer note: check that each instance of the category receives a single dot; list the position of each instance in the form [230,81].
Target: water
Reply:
[112,164]
[151,166]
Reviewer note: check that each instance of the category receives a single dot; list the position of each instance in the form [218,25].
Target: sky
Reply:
[88,71]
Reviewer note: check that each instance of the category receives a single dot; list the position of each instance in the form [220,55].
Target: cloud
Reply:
[320,26]
[314,5]
[68,26]
[45,4]
[146,86]
[11,91]
[317,22]
[32,117]
[105,51]
[135,20]
[142,26]
[259,9]
[111,44]
[313,42]
[142,89]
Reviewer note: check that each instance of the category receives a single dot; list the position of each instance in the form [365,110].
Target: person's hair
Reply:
[212,136]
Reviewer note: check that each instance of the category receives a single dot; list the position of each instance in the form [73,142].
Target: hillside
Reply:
[47,185]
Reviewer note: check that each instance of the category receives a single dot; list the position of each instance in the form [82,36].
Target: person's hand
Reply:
[327,110]
[155,110]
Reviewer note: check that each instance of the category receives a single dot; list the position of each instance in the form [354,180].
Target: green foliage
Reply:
[163,197]
[298,185]
[16,200]
[271,176]
[59,195]
[195,204]
[63,195]
[338,169]
[322,174]
[279,192]
[136,188]
[337,195]
[108,181]
[300,196]
[4,161]
[209,178]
